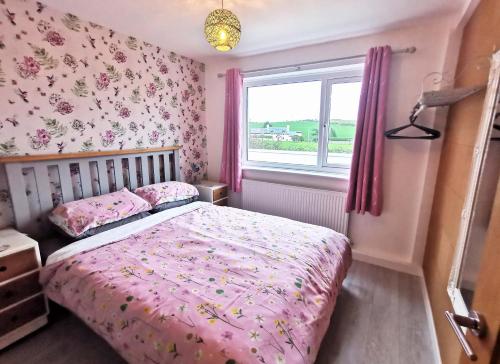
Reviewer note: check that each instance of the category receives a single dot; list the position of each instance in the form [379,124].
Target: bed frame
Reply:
[145,166]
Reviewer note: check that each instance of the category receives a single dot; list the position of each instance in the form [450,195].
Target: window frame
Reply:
[328,77]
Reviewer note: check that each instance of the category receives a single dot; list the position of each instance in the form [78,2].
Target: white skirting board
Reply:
[430,319]
[387,262]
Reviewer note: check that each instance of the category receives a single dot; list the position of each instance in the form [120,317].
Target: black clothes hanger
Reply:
[496,127]
[430,133]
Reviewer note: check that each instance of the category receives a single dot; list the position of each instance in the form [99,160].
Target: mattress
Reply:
[203,283]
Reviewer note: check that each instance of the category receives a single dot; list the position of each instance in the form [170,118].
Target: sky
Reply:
[298,101]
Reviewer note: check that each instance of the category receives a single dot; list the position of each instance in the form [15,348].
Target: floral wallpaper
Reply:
[67,85]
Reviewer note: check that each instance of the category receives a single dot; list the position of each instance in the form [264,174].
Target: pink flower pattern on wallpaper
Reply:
[64,107]
[102,82]
[124,112]
[28,68]
[54,38]
[64,78]
[151,90]
[41,139]
[120,57]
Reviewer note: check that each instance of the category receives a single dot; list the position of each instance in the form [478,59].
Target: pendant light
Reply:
[222,29]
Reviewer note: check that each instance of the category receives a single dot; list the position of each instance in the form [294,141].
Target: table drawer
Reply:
[220,193]
[18,263]
[222,202]
[19,289]
[21,314]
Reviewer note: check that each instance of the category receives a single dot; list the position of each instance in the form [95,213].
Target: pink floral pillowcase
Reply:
[160,193]
[76,217]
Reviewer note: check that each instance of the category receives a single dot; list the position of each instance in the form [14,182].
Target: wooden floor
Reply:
[379,319]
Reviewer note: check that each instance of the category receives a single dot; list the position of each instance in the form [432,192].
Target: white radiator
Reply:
[313,206]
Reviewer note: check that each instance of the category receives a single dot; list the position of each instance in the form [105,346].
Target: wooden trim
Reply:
[48,157]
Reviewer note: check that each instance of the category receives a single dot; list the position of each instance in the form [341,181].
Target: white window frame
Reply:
[327,77]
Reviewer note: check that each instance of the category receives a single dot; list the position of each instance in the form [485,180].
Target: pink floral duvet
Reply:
[215,285]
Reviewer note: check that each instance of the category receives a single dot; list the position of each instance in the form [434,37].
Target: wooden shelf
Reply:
[448,96]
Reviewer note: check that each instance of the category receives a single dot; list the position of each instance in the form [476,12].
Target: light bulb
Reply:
[222,35]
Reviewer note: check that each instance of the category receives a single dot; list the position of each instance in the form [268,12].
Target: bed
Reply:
[204,283]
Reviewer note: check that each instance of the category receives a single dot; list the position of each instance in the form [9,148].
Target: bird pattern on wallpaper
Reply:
[67,85]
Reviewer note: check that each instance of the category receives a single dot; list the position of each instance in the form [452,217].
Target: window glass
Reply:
[302,120]
[283,123]
[344,101]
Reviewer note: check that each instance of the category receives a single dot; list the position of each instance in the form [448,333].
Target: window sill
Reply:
[298,172]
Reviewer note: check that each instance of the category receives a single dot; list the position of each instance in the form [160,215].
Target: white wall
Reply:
[397,237]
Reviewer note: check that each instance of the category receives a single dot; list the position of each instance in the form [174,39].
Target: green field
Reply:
[340,137]
[309,128]
[333,147]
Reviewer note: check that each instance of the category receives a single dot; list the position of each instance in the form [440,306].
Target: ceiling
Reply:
[267,25]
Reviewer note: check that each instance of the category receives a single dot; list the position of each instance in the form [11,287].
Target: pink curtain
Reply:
[230,172]
[365,183]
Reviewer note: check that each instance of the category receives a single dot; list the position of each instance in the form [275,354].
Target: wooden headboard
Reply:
[80,175]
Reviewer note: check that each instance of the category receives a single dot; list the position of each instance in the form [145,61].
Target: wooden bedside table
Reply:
[23,306]
[213,192]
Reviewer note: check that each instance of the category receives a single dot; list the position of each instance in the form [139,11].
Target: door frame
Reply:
[480,151]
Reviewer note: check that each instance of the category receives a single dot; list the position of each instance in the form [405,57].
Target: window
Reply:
[302,121]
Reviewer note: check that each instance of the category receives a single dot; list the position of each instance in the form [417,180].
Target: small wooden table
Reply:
[214,192]
[23,306]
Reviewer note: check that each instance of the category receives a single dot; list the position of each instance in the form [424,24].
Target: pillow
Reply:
[76,217]
[170,205]
[105,227]
[160,193]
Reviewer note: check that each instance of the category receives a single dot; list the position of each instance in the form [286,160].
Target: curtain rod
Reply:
[409,50]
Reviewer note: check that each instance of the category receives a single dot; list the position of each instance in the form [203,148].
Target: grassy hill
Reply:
[342,128]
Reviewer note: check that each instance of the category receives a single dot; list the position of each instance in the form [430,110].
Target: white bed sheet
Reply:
[121,232]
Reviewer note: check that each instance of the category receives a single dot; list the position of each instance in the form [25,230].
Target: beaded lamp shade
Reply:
[222,30]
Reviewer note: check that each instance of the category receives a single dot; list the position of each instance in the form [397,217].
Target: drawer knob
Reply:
[3,268]
[14,318]
[8,294]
